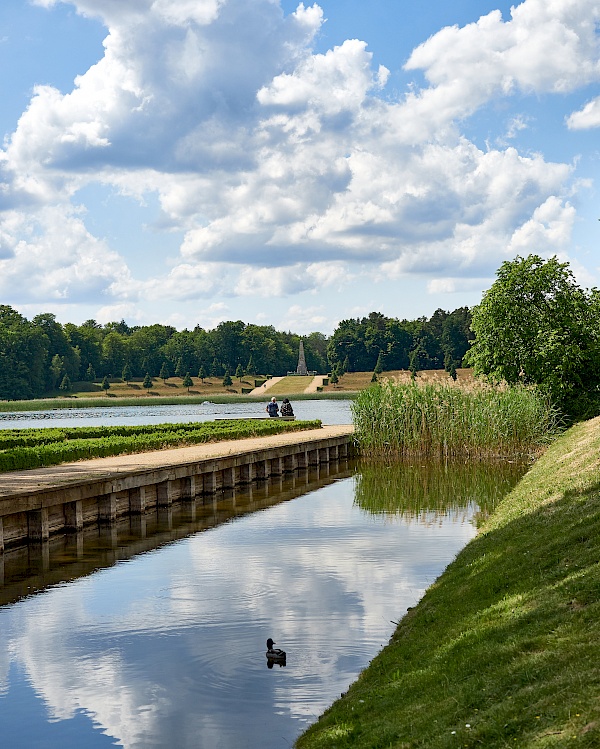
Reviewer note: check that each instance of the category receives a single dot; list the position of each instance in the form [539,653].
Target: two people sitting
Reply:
[273,409]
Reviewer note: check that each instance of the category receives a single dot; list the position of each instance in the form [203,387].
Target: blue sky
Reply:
[192,161]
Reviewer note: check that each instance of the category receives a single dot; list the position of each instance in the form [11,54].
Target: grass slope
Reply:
[503,649]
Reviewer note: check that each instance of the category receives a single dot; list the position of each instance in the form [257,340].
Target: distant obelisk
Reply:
[301,368]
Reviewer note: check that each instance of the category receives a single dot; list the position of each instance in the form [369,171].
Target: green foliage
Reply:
[105,385]
[34,448]
[535,325]
[379,366]
[358,343]
[187,381]
[35,356]
[179,368]
[374,377]
[334,379]
[227,381]
[126,374]
[148,384]
[444,420]
[239,372]
[65,384]
[164,372]
[202,373]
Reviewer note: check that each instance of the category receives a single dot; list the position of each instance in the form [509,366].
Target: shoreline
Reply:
[50,404]
[502,648]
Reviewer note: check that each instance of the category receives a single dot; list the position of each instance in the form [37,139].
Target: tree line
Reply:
[41,355]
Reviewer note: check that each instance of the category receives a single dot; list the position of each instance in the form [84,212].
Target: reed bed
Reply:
[441,420]
[35,448]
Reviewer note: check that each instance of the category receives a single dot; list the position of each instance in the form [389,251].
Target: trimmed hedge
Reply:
[35,448]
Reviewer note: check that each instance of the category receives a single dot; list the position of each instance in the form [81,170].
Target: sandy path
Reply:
[265,386]
[316,383]
[37,479]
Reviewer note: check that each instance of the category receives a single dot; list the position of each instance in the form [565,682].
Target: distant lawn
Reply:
[289,386]
[171,392]
[355,381]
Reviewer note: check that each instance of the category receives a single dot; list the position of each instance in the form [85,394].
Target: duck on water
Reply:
[275,654]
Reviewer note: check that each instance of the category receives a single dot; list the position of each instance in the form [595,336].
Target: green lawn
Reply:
[289,386]
[503,650]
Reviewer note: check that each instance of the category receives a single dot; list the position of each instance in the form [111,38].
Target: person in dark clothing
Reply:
[272,408]
[286,408]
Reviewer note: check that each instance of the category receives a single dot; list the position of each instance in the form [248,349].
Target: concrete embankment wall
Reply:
[36,504]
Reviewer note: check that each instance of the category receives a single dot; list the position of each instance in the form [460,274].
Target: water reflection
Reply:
[167,648]
[425,492]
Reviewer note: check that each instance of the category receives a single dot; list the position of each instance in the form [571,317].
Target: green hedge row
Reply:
[65,445]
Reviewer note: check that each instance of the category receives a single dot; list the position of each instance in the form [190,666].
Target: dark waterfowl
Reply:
[274,654]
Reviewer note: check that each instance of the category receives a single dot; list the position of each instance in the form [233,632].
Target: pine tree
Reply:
[374,378]
[65,385]
[90,373]
[187,381]
[227,381]
[126,374]
[215,368]
[202,374]
[346,365]
[105,385]
[148,382]
[164,372]
[239,372]
[379,366]
[334,379]
[250,368]
[179,369]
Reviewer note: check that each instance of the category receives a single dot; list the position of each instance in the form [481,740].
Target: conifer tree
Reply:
[187,381]
[126,374]
[148,382]
[202,374]
[164,372]
[105,385]
[65,385]
[227,381]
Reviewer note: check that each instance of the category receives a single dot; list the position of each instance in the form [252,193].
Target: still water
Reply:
[329,411]
[127,645]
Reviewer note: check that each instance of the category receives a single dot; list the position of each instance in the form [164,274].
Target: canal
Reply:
[151,633]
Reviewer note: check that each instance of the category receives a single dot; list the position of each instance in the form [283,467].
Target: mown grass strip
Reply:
[503,649]
[46,447]
[447,421]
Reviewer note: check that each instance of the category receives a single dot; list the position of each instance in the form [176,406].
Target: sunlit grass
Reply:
[443,420]
[503,649]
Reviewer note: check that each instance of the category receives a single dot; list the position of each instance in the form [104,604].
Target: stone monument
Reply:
[301,368]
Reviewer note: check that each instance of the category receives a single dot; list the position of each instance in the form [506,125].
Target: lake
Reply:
[154,636]
[329,411]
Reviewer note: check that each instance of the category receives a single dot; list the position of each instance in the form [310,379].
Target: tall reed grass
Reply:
[438,420]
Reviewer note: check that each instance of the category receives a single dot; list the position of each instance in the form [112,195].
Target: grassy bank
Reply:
[503,649]
[22,449]
[443,420]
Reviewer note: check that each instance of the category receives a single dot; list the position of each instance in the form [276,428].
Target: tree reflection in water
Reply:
[427,491]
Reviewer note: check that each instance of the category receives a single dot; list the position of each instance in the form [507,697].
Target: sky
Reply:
[187,162]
